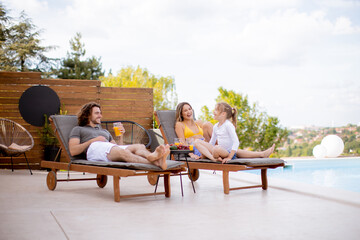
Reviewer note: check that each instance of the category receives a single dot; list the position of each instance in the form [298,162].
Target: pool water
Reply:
[342,173]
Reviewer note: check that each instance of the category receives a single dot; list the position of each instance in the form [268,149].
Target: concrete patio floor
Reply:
[81,210]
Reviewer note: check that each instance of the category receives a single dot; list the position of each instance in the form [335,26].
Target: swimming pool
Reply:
[342,173]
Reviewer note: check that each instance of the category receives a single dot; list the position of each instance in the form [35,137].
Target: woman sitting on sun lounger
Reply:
[186,127]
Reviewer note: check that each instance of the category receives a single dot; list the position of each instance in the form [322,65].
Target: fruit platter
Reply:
[179,147]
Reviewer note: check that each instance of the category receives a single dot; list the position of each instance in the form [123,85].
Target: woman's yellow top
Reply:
[189,133]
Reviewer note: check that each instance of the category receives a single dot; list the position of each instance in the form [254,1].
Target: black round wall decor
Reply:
[37,101]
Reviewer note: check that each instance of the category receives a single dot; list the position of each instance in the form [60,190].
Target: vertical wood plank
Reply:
[264,178]
[226,182]
[167,185]
[116,180]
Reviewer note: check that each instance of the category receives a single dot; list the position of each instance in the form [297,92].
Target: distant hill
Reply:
[301,141]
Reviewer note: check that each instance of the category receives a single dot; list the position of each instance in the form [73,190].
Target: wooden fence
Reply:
[135,104]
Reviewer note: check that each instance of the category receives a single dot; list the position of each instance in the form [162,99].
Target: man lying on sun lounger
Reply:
[99,145]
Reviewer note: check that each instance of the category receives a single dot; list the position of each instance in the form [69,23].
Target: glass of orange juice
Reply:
[177,141]
[190,143]
[117,129]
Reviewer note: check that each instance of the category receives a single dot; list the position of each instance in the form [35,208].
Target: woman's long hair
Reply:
[85,113]
[179,108]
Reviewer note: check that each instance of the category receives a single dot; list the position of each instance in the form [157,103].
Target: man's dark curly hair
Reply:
[85,113]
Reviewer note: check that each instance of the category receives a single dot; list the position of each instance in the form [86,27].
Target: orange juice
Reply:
[190,143]
[117,131]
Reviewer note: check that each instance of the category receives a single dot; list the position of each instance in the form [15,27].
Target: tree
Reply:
[73,67]
[206,115]
[4,20]
[20,46]
[4,32]
[255,129]
[165,96]
[352,147]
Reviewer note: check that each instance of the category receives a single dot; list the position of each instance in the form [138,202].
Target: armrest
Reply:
[134,132]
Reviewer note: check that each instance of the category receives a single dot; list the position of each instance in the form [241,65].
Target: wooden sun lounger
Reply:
[166,121]
[62,125]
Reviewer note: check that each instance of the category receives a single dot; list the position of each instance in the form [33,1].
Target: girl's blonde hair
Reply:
[231,113]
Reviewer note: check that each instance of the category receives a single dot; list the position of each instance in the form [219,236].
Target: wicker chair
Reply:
[14,140]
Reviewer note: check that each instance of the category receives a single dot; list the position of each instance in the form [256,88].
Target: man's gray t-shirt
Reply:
[87,133]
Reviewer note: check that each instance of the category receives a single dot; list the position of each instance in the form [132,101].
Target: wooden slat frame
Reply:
[117,173]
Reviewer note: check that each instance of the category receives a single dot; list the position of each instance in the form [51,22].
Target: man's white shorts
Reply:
[98,151]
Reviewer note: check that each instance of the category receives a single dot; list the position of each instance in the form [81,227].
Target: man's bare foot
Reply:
[161,162]
[268,151]
[157,154]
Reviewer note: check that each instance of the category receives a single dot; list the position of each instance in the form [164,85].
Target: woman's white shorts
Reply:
[98,151]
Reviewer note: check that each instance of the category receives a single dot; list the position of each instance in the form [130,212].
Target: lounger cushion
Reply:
[128,165]
[257,161]
[253,162]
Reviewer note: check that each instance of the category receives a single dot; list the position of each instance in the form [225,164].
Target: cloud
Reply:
[251,32]
[294,57]
[339,3]
[31,7]
[343,25]
[285,37]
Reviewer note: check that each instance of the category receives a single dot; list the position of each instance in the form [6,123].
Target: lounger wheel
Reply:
[101,180]
[152,178]
[195,174]
[51,180]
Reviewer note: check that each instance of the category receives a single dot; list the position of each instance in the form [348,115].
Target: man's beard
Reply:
[96,121]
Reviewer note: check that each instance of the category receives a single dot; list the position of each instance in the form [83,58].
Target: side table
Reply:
[185,153]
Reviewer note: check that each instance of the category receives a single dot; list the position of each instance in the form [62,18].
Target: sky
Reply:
[299,60]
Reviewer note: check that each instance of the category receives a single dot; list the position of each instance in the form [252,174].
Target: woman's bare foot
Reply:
[194,156]
[268,151]
[157,154]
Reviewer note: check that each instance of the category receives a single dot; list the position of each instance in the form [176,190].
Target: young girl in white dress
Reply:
[228,142]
